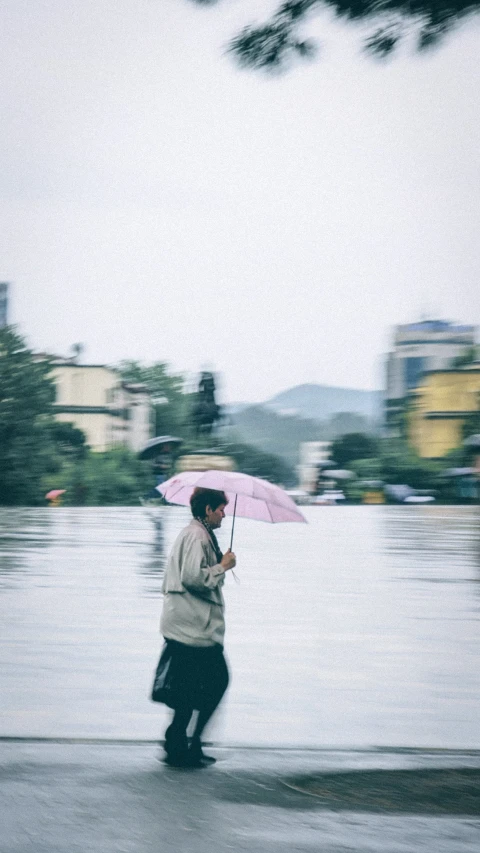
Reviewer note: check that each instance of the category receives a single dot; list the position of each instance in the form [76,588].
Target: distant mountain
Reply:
[283,434]
[272,433]
[322,401]
[304,413]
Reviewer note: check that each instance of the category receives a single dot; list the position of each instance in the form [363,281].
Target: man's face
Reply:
[215,517]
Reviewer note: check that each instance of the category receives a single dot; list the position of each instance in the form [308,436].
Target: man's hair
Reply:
[201,498]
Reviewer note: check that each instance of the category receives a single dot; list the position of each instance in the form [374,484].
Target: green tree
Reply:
[471,424]
[68,440]
[26,397]
[468,357]
[353,445]
[116,476]
[273,44]
[251,460]
[68,451]
[368,469]
[401,465]
[172,406]
[457,458]
[396,463]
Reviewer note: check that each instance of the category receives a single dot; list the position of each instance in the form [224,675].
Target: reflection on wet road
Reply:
[361,628]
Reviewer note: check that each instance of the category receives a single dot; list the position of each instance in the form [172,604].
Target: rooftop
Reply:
[436,326]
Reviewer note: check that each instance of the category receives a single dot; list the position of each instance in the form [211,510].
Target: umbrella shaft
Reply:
[233,521]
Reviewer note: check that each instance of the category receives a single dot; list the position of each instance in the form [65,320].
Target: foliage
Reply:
[91,479]
[401,465]
[457,458]
[101,479]
[353,445]
[471,425]
[469,356]
[172,406]
[256,462]
[119,477]
[26,397]
[367,469]
[274,44]
[114,477]
[67,439]
[393,462]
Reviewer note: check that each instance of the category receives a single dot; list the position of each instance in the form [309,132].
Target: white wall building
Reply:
[110,412]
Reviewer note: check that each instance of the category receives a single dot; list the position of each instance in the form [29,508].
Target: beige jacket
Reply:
[193,605]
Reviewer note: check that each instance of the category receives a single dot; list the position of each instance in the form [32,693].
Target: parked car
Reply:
[329,497]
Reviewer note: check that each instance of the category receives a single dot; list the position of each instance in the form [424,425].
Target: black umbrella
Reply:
[159,444]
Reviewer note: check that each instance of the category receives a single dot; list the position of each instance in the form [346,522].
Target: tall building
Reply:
[417,348]
[3,304]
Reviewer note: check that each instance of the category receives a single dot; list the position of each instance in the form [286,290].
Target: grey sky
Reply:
[158,203]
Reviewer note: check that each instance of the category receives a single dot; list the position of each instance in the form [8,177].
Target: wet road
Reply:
[359,629]
[118,799]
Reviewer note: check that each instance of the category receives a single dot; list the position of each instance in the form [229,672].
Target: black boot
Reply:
[197,754]
[176,747]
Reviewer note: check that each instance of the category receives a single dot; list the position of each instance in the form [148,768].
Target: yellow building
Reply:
[94,398]
[439,407]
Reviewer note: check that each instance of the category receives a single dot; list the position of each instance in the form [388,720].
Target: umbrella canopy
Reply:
[159,444]
[54,493]
[248,496]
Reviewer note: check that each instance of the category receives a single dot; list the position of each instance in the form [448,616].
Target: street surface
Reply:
[118,798]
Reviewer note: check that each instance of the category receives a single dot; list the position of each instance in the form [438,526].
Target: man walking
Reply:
[193,626]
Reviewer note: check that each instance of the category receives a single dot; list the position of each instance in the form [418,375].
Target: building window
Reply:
[414,368]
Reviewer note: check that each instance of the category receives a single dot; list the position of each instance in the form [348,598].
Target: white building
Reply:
[109,411]
[313,454]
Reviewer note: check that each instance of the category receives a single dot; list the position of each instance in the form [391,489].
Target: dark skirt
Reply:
[190,676]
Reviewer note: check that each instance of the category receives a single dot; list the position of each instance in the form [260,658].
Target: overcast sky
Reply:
[157,203]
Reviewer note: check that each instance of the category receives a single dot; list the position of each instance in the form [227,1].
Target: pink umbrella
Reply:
[54,493]
[250,496]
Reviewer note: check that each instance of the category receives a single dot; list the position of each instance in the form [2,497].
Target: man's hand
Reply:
[228,561]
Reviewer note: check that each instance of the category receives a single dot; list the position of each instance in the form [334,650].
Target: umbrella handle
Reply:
[233,522]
